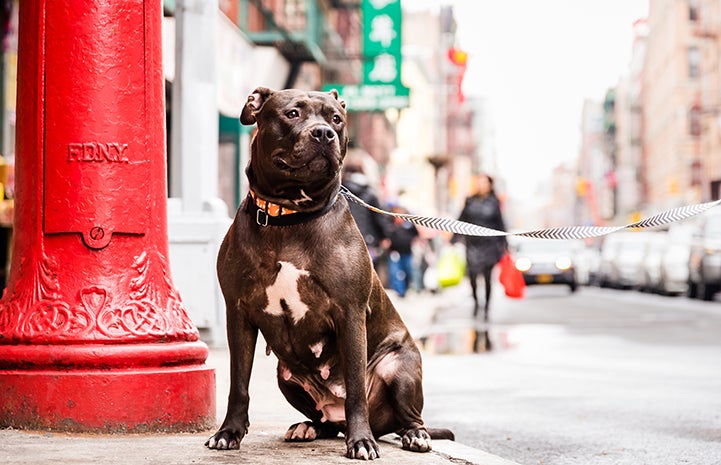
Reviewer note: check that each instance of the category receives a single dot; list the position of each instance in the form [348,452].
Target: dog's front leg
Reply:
[359,438]
[242,338]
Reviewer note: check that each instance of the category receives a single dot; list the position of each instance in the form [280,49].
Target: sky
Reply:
[535,61]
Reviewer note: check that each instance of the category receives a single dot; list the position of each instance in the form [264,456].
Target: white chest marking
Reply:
[285,288]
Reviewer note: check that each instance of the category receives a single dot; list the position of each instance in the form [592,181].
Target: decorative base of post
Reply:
[107,389]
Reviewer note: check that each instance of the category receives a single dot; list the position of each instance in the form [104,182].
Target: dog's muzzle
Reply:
[323,134]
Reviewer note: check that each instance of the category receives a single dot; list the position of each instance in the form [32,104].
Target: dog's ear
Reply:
[334,93]
[255,102]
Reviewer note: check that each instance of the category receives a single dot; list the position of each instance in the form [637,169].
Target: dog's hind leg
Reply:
[396,399]
[305,431]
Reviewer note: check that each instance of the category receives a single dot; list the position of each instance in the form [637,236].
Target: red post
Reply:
[93,334]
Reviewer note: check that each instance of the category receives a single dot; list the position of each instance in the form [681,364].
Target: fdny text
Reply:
[99,152]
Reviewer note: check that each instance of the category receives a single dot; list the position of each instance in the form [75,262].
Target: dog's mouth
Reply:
[317,163]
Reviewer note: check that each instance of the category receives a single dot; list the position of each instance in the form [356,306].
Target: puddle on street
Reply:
[464,340]
[453,330]
[461,337]
[451,334]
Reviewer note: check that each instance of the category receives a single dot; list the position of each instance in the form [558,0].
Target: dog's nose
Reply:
[323,133]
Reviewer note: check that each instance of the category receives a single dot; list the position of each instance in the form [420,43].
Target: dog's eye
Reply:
[293,114]
[337,119]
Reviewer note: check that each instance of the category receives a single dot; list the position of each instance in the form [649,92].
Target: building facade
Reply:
[681,102]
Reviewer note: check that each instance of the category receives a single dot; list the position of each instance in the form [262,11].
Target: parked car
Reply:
[650,271]
[704,264]
[546,261]
[626,258]
[609,248]
[587,259]
[674,262]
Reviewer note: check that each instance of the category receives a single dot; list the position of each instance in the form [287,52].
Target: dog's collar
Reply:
[270,208]
[271,214]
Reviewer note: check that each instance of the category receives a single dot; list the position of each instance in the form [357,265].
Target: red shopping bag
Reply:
[511,278]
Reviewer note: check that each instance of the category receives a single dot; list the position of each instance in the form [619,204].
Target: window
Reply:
[694,59]
[693,10]
[694,121]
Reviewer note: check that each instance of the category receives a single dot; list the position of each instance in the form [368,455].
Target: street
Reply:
[596,377]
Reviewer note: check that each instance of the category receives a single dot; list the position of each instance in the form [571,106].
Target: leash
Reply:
[571,232]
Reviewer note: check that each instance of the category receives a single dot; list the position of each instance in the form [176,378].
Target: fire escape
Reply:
[306,31]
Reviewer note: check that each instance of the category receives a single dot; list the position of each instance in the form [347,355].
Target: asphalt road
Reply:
[596,377]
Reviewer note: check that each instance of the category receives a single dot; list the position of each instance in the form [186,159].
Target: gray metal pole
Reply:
[194,142]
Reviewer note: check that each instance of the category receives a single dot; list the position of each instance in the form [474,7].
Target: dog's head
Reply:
[298,148]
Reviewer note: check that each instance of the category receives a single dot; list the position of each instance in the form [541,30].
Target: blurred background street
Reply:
[574,112]
[599,376]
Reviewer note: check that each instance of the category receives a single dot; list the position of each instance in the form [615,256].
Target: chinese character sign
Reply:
[382,41]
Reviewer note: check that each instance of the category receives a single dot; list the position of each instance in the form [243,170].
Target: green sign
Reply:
[382,41]
[381,86]
[381,27]
[371,97]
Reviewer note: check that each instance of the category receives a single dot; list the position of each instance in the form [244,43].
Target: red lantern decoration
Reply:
[459,58]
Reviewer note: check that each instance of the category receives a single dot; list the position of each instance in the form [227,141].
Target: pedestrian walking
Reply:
[373,227]
[402,236]
[483,208]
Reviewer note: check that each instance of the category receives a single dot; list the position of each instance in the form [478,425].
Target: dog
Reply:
[294,266]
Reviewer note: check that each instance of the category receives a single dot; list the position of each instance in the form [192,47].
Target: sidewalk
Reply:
[270,416]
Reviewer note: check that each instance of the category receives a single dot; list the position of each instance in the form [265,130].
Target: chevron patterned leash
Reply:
[570,232]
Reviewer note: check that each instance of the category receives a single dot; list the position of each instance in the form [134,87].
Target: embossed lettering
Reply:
[99,152]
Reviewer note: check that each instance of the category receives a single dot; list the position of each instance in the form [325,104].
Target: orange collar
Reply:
[270,208]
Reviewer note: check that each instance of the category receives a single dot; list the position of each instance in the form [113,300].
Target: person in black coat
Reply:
[400,252]
[373,226]
[483,208]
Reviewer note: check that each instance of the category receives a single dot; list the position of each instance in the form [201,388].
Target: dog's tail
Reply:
[441,433]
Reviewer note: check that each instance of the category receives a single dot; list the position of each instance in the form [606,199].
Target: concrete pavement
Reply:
[263,445]
[270,415]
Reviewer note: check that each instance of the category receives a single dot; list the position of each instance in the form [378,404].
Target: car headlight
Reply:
[523,264]
[564,263]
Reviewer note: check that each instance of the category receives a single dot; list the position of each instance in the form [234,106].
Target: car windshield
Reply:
[633,243]
[545,246]
[713,226]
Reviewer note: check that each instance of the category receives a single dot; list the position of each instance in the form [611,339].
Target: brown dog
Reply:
[294,266]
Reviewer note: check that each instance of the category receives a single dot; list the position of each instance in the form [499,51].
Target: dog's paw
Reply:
[301,432]
[363,449]
[416,440]
[224,439]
